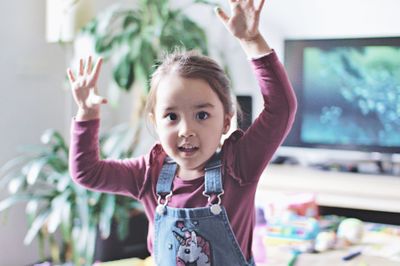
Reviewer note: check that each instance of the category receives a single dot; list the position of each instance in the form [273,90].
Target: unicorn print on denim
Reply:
[193,250]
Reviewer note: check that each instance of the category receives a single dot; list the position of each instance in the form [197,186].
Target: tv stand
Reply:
[374,167]
[374,192]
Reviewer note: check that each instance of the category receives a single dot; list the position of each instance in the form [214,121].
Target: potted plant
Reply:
[40,177]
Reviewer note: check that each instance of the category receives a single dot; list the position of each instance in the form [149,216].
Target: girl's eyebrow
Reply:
[170,108]
[204,105]
[197,106]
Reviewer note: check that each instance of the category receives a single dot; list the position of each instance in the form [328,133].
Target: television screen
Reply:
[348,93]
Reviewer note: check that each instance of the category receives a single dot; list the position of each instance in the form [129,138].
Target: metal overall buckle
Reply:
[215,208]
[161,207]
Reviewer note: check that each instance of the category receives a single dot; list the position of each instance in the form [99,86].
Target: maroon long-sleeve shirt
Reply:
[244,156]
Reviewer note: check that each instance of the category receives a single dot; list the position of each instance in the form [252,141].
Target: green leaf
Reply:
[37,225]
[35,169]
[206,2]
[59,162]
[8,202]
[94,198]
[131,22]
[162,8]
[7,178]
[66,217]
[135,49]
[141,75]
[103,44]
[147,61]
[52,137]
[31,208]
[57,206]
[41,241]
[90,27]
[12,164]
[63,182]
[123,73]
[106,215]
[76,240]
[82,239]
[16,183]
[91,243]
[82,205]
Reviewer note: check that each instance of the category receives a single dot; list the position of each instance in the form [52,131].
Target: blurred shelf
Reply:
[336,189]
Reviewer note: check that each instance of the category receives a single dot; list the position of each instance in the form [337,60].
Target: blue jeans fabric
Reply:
[195,236]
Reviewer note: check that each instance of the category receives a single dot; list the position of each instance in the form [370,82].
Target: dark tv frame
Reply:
[293,61]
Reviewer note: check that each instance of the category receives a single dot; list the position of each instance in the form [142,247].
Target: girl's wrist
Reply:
[255,46]
[87,114]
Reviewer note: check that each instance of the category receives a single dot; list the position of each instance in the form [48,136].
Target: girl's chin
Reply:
[187,154]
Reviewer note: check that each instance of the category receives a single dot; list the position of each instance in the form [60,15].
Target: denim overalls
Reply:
[194,236]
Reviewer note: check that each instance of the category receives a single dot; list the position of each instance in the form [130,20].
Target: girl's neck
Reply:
[186,174]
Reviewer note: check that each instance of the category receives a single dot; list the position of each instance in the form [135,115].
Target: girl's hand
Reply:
[243,23]
[84,89]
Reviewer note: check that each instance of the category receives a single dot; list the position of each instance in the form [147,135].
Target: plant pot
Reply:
[134,245]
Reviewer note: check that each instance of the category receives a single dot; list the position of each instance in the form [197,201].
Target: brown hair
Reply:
[193,65]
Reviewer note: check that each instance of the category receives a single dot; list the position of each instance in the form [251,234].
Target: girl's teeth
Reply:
[188,148]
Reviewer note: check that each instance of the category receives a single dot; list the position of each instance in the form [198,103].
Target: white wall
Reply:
[33,71]
[31,101]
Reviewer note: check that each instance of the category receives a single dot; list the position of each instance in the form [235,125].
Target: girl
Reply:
[200,203]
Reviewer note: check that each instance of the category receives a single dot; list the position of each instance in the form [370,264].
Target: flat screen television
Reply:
[348,94]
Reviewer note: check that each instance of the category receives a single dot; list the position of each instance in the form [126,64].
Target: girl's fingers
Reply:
[89,65]
[260,5]
[81,68]
[70,76]
[96,69]
[222,15]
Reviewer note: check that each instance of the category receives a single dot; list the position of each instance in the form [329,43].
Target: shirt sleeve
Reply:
[248,153]
[124,177]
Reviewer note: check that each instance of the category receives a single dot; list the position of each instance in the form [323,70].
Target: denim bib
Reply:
[194,236]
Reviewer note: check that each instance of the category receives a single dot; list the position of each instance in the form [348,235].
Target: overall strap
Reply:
[166,177]
[213,179]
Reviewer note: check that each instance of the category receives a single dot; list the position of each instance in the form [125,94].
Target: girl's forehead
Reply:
[174,89]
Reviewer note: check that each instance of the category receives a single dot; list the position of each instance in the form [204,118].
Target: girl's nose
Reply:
[186,130]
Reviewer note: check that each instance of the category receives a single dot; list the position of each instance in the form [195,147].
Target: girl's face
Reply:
[189,120]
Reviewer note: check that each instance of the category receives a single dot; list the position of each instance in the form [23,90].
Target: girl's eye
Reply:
[202,115]
[171,116]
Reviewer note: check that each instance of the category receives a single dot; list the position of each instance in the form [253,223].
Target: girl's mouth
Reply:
[188,149]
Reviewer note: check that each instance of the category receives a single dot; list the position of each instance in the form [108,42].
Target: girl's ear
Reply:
[227,123]
[152,118]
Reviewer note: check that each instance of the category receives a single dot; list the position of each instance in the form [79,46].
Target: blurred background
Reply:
[35,92]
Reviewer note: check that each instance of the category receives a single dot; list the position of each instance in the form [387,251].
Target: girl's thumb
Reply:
[96,99]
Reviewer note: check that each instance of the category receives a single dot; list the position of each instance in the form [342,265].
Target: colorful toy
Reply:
[351,230]
[295,228]
[324,241]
